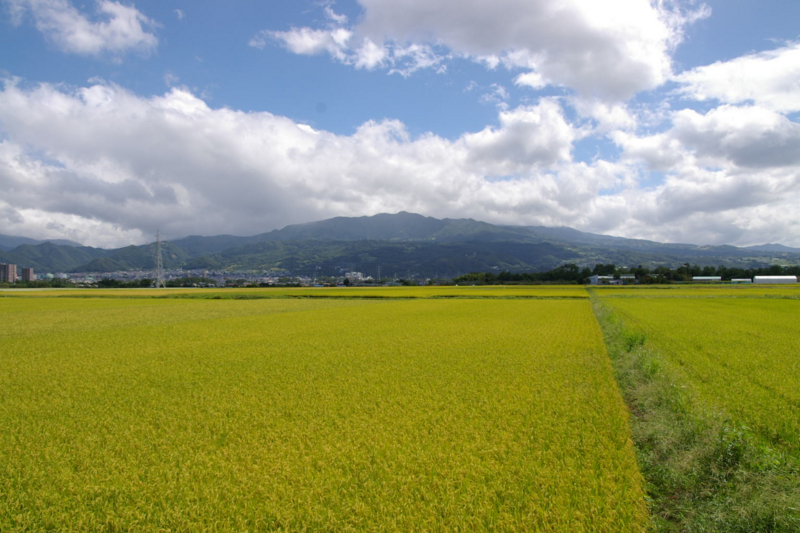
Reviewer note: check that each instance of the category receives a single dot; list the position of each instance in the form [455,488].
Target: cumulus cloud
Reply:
[746,138]
[528,137]
[610,50]
[133,163]
[770,79]
[307,41]
[361,53]
[114,166]
[732,175]
[118,28]
[749,137]
[608,116]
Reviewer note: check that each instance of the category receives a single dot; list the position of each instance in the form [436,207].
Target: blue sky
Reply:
[672,120]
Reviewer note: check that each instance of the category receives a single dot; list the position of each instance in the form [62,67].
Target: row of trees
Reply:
[571,273]
[55,283]
[188,281]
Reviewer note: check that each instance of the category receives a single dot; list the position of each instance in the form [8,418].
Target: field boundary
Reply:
[240,296]
[702,296]
[703,471]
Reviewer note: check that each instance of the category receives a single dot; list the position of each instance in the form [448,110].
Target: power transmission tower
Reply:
[159,273]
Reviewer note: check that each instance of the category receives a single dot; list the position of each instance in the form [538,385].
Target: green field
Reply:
[335,414]
[712,376]
[740,357]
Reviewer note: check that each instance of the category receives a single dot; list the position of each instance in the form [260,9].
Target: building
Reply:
[627,279]
[740,281]
[774,279]
[706,279]
[601,280]
[27,274]
[8,273]
[354,276]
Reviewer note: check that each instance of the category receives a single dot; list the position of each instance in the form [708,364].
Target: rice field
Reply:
[334,414]
[737,357]
[511,291]
[699,291]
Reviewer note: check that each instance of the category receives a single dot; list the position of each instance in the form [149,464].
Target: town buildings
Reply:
[8,273]
[28,275]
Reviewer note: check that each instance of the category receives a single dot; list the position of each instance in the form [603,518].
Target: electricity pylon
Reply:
[159,273]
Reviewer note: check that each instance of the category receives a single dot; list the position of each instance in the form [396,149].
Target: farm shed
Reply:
[775,279]
[601,280]
[740,281]
[706,279]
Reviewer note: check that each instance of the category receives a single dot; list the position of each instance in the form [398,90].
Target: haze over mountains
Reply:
[403,243]
[8,242]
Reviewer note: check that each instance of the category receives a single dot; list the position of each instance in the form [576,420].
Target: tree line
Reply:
[573,274]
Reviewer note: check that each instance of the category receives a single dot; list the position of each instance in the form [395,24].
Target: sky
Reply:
[669,120]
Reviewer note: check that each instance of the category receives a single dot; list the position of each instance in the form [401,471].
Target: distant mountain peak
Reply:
[9,242]
[774,247]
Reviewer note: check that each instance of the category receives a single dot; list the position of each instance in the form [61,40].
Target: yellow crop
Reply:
[491,291]
[699,291]
[311,415]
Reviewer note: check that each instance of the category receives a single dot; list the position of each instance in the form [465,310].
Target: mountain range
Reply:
[9,242]
[402,243]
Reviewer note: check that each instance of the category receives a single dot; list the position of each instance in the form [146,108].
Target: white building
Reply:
[601,280]
[741,280]
[774,279]
[706,279]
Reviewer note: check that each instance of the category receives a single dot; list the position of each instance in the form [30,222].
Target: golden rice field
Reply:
[738,357]
[699,291]
[511,291]
[426,414]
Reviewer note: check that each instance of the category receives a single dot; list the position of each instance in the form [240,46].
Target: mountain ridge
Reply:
[9,242]
[403,241]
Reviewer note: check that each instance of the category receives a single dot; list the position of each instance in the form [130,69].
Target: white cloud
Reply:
[113,166]
[369,55]
[408,59]
[118,29]
[770,79]
[610,49]
[749,137]
[529,137]
[531,79]
[171,79]
[732,176]
[720,206]
[744,138]
[106,155]
[306,41]
[336,18]
[609,116]
[660,152]
[179,13]
[363,53]
[498,95]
